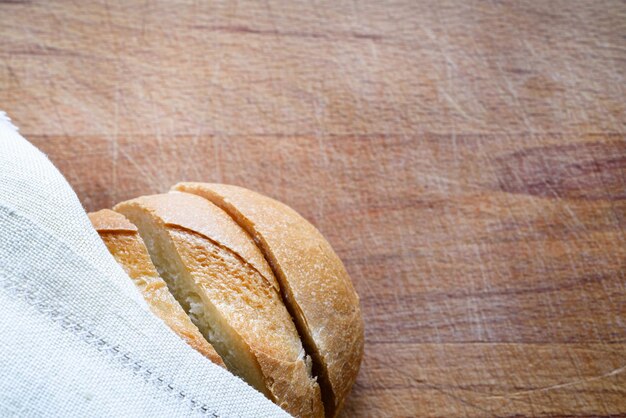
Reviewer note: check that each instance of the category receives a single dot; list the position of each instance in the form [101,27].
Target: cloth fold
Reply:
[76,338]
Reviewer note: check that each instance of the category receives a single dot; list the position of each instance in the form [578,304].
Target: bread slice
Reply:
[315,285]
[127,247]
[222,280]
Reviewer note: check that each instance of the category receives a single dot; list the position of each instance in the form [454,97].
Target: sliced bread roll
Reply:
[127,247]
[313,280]
[222,280]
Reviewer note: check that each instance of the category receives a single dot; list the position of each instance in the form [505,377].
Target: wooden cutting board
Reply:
[467,160]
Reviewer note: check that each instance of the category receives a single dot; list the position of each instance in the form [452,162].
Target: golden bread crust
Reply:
[313,280]
[109,220]
[231,274]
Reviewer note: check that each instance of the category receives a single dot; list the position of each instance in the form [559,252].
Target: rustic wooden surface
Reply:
[467,160]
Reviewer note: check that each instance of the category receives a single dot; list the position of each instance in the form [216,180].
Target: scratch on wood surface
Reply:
[146,175]
[452,102]
[240,29]
[561,385]
[450,64]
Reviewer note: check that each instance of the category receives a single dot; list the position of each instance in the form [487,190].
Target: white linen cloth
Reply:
[76,338]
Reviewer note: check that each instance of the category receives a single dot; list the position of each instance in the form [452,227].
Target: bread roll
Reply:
[223,281]
[128,249]
[315,285]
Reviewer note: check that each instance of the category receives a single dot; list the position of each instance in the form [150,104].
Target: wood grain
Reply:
[467,160]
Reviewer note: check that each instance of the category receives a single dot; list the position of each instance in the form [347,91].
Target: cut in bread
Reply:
[127,247]
[313,280]
[222,280]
